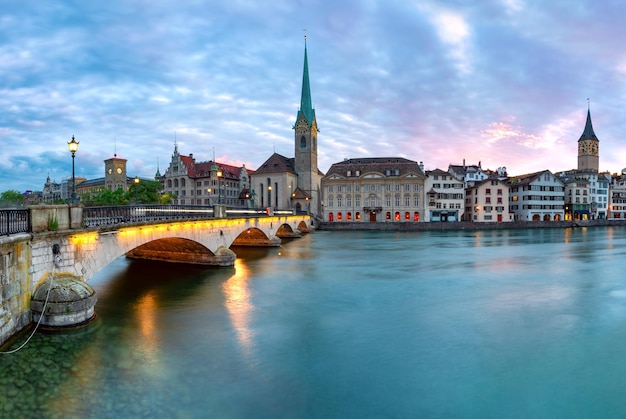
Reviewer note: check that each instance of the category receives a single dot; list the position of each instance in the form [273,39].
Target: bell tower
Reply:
[305,135]
[588,148]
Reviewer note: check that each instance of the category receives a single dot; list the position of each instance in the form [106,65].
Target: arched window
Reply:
[183,183]
[397,216]
[330,217]
[546,217]
[176,183]
[416,216]
[338,216]
[169,183]
[358,216]
[388,215]
[407,216]
[349,216]
[536,217]
[303,142]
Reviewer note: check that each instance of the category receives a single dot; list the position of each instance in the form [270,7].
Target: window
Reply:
[397,216]
[407,216]
[339,203]
[339,216]
[330,217]
[330,202]
[302,142]
[330,188]
[416,201]
[387,215]
[358,216]
[416,216]
[407,201]
[488,191]
[357,201]
[349,216]
[397,201]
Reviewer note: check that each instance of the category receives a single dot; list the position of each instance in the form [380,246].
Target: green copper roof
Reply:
[306,106]
[588,133]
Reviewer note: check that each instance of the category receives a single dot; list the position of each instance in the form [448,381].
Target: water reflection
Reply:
[239,306]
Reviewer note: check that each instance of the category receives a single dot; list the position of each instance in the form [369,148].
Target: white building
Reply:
[445,197]
[537,196]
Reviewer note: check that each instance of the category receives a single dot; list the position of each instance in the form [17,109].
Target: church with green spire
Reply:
[294,183]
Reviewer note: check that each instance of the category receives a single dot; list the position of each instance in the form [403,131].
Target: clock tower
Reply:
[115,174]
[305,135]
[588,148]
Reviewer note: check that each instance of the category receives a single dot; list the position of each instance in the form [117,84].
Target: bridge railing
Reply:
[14,221]
[103,216]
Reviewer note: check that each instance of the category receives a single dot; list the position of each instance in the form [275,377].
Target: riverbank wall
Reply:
[463,225]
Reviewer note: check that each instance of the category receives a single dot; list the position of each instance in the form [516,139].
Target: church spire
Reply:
[306,105]
[588,133]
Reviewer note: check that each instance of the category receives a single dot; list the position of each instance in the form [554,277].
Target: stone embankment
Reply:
[463,225]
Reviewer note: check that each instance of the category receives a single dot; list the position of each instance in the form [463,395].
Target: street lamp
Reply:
[136,189]
[219,186]
[73,146]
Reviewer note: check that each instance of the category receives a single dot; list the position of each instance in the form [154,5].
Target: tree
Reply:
[11,198]
[144,192]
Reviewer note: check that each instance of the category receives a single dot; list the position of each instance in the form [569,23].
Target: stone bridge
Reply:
[28,259]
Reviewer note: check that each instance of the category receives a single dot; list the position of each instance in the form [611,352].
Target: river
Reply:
[476,324]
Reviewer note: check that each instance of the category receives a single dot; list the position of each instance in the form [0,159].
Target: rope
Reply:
[38,322]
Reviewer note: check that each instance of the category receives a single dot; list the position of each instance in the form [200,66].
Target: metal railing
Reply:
[116,215]
[14,221]
[104,216]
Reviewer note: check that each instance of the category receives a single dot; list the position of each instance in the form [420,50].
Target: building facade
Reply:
[445,197]
[206,183]
[537,196]
[487,201]
[376,189]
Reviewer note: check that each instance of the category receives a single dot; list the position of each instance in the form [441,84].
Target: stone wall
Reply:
[15,284]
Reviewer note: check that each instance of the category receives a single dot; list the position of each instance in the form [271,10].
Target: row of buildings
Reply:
[385,189]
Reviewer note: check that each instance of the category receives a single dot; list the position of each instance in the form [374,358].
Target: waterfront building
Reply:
[587,194]
[487,201]
[206,183]
[374,189]
[284,183]
[445,197]
[537,196]
[618,197]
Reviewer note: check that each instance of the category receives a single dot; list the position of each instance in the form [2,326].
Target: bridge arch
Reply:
[190,241]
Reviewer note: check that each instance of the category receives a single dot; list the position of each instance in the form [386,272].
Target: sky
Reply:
[506,83]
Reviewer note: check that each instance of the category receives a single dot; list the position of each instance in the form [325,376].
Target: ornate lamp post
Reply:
[73,146]
[220,174]
[136,189]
